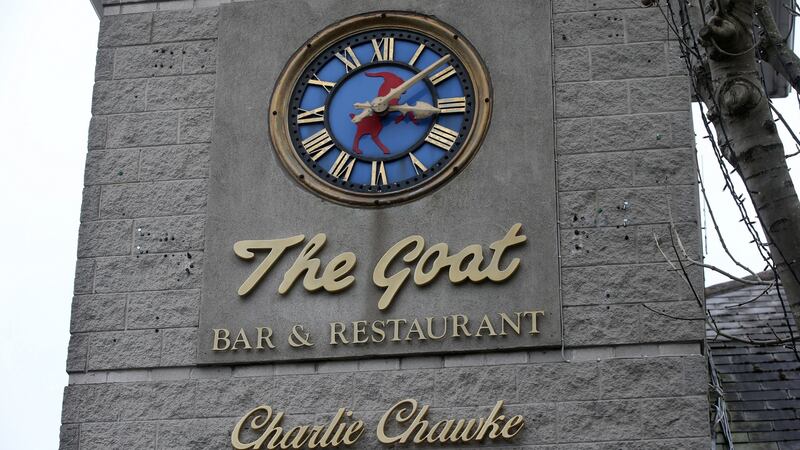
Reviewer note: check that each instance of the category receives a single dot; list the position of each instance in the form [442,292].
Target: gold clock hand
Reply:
[381,104]
[421,110]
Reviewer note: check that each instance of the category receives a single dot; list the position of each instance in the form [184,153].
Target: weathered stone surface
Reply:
[380,390]
[90,204]
[161,198]
[185,25]
[574,29]
[595,171]
[98,313]
[195,126]
[84,276]
[232,397]
[90,403]
[97,132]
[196,91]
[163,309]
[200,57]
[552,382]
[312,393]
[541,425]
[572,64]
[101,436]
[601,325]
[561,6]
[149,272]
[169,234]
[577,209]
[647,24]
[650,377]
[124,349]
[587,246]
[132,130]
[199,434]
[111,166]
[77,352]
[594,98]
[157,401]
[650,237]
[659,94]
[638,206]
[114,97]
[628,61]
[682,129]
[475,386]
[104,64]
[174,162]
[69,437]
[672,321]
[613,133]
[149,61]
[674,166]
[180,347]
[602,285]
[126,29]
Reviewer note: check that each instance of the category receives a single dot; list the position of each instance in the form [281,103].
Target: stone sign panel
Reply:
[469,264]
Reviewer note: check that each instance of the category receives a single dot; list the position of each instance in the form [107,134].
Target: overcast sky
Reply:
[46,75]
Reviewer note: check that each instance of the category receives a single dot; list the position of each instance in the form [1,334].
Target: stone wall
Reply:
[627,378]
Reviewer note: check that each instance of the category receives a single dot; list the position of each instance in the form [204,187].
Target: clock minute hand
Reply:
[381,104]
[396,92]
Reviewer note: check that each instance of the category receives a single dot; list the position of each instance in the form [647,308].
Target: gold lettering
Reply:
[264,338]
[360,329]
[219,337]
[486,324]
[276,247]
[430,328]
[460,326]
[338,333]
[395,282]
[504,319]
[396,323]
[241,338]
[513,426]
[331,279]
[378,331]
[421,278]
[493,272]
[534,315]
[416,328]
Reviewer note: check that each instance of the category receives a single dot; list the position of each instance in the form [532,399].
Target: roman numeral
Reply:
[416,54]
[442,137]
[418,166]
[327,85]
[312,116]
[384,49]
[442,75]
[348,57]
[452,105]
[378,174]
[343,165]
[318,144]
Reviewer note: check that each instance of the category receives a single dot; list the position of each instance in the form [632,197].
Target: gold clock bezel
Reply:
[448,36]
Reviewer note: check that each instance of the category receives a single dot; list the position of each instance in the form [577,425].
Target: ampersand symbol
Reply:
[299,338]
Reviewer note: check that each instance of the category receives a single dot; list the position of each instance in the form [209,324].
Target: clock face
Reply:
[380,109]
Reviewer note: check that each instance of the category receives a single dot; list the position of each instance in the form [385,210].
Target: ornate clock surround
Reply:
[438,31]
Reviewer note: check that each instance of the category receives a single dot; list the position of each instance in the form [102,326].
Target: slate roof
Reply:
[761,384]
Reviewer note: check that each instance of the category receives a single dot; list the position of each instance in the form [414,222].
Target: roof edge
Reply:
[729,286]
[98,8]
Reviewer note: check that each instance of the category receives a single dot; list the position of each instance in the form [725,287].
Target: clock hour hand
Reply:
[421,110]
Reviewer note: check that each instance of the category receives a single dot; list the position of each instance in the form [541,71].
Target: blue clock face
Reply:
[381,112]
